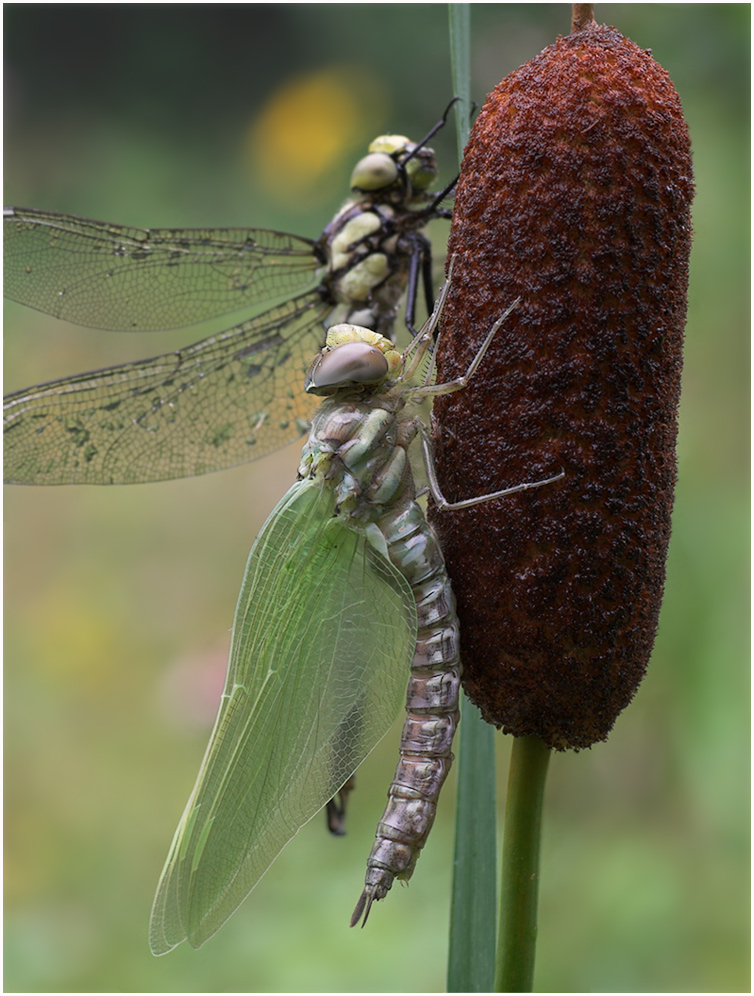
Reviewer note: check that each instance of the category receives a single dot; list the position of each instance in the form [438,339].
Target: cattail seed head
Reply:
[575,195]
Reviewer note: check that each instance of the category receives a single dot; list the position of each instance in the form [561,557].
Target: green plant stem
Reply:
[520,872]
[471,953]
[459,15]
[473,913]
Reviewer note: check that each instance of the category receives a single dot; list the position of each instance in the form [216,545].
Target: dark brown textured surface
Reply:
[575,194]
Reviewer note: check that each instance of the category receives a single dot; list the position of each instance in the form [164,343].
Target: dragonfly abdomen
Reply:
[358,447]
[431,707]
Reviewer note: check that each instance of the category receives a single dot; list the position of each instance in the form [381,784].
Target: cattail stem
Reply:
[582,16]
[520,873]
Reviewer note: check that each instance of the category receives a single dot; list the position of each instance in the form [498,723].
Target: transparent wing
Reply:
[323,638]
[111,277]
[223,401]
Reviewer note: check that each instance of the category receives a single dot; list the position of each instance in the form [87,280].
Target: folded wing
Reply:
[323,638]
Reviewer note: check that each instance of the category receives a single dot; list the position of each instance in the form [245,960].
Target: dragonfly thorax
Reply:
[373,241]
[359,448]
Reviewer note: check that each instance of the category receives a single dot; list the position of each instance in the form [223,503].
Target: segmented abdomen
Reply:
[431,707]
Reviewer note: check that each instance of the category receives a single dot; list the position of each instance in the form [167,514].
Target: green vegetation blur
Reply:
[119,601]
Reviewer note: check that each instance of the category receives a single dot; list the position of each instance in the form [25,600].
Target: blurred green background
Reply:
[119,601]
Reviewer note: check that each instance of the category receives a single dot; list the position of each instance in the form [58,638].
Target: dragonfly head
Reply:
[351,357]
[393,160]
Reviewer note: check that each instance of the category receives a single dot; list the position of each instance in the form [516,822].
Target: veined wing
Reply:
[323,638]
[112,277]
[223,401]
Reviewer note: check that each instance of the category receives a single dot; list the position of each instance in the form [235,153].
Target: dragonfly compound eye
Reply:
[350,363]
[422,169]
[374,172]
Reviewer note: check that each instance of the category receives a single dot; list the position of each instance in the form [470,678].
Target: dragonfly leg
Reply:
[433,209]
[429,296]
[425,337]
[420,271]
[428,390]
[432,131]
[442,502]
[431,390]
[335,810]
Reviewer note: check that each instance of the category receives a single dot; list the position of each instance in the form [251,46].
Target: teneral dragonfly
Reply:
[345,593]
[231,397]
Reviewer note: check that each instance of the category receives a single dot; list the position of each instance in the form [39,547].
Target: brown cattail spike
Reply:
[575,195]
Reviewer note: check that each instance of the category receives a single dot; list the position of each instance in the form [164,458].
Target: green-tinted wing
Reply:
[323,638]
[223,401]
[112,277]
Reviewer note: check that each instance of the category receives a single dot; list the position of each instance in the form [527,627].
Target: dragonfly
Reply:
[345,594]
[231,397]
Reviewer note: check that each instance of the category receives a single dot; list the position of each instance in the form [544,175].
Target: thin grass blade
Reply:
[471,956]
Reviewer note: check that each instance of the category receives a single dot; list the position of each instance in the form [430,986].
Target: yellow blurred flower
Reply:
[78,647]
[309,126]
